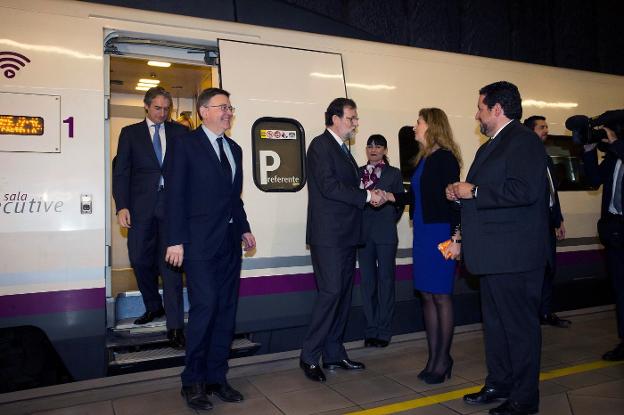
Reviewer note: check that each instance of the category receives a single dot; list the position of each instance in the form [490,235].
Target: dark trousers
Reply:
[512,333]
[377,264]
[213,295]
[549,275]
[333,270]
[611,232]
[615,266]
[146,249]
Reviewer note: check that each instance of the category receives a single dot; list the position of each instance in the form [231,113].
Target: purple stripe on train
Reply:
[52,302]
[281,284]
[95,298]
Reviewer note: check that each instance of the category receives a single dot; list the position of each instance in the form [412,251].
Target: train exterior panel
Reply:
[55,203]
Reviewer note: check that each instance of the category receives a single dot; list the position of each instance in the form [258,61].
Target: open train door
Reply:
[281,94]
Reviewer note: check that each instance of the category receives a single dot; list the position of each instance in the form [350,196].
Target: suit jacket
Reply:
[503,228]
[441,168]
[379,223]
[335,201]
[200,199]
[603,174]
[136,171]
[556,217]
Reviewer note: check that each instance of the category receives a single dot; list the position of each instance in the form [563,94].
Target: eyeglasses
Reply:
[352,119]
[222,107]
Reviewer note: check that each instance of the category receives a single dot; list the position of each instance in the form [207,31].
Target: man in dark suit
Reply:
[504,222]
[611,224]
[139,192]
[335,204]
[538,124]
[206,225]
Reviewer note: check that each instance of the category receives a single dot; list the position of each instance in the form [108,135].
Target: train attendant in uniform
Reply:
[139,189]
[379,235]
[207,225]
[435,220]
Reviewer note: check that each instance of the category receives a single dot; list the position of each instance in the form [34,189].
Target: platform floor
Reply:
[574,381]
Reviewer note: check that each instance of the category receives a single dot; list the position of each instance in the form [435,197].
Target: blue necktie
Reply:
[157,145]
[345,149]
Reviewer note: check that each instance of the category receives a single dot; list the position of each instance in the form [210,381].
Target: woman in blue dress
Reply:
[435,220]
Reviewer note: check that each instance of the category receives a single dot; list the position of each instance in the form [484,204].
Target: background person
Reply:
[139,190]
[611,224]
[435,220]
[538,124]
[377,257]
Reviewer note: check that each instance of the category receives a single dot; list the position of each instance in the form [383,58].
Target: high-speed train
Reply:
[72,75]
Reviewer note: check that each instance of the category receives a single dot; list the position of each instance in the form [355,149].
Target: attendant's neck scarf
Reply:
[371,175]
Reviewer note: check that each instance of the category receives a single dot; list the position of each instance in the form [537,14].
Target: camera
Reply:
[584,129]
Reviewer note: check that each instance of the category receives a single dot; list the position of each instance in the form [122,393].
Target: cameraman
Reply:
[611,224]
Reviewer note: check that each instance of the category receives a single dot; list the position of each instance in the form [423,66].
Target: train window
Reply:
[278,154]
[408,148]
[567,158]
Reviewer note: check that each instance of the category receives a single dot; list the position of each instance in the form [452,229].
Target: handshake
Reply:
[379,197]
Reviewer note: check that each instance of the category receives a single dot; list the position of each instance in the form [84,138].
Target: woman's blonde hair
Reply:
[438,132]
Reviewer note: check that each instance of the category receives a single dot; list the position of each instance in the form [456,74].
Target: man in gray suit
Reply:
[504,226]
[335,204]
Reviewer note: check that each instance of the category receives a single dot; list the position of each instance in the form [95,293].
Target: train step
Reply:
[154,352]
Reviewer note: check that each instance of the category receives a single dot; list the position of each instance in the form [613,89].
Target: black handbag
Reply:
[611,231]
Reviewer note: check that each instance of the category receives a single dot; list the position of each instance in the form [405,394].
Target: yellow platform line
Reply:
[449,396]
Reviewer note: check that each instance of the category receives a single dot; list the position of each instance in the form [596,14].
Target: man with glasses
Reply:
[335,205]
[207,224]
[139,192]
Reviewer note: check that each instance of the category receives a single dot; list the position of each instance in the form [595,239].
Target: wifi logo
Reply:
[11,62]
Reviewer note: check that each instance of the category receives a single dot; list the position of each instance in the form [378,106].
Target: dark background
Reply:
[577,34]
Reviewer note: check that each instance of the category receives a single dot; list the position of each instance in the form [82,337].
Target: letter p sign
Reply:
[265,167]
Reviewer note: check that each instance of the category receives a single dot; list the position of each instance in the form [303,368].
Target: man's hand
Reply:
[459,190]
[249,241]
[611,137]
[454,251]
[560,232]
[175,255]
[123,217]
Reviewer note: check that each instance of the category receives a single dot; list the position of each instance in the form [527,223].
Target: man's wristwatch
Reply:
[473,191]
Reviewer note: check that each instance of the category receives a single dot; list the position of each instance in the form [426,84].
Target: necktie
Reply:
[225,164]
[617,194]
[345,149]
[157,145]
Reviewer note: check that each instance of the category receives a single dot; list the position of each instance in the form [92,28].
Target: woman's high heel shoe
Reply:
[434,378]
[423,373]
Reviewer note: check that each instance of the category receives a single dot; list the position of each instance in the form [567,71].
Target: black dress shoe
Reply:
[176,338]
[195,396]
[485,395]
[149,316]
[553,320]
[225,392]
[513,408]
[370,342]
[312,372]
[345,364]
[616,354]
[382,343]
